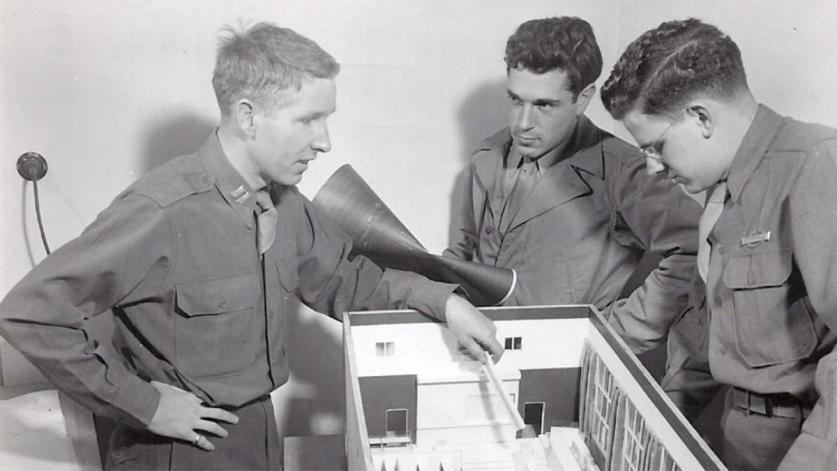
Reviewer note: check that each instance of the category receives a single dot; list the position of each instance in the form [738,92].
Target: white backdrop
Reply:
[107,90]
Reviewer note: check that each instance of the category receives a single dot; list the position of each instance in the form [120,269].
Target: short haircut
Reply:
[565,43]
[264,60]
[668,66]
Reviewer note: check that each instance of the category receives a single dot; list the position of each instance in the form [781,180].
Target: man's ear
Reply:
[245,116]
[584,97]
[704,118]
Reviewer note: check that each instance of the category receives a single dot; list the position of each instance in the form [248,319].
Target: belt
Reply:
[249,403]
[770,405]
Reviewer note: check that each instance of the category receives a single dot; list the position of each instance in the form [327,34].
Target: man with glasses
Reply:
[570,207]
[767,247]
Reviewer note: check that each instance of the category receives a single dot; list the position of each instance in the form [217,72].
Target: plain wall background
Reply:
[107,90]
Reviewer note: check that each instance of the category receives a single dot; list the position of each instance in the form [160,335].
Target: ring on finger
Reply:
[197,439]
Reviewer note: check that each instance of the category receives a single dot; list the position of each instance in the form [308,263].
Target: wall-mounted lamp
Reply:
[32,166]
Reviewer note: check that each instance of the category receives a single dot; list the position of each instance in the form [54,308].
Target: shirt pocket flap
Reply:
[758,270]
[288,276]
[207,297]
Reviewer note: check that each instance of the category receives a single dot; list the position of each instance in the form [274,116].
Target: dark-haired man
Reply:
[768,236]
[569,206]
[201,260]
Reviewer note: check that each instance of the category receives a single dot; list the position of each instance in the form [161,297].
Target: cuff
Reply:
[137,399]
[430,297]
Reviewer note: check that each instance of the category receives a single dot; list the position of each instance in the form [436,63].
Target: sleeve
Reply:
[42,316]
[464,237]
[332,281]
[654,214]
[813,219]
[688,381]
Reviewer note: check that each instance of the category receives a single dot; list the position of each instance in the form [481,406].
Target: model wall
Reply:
[425,349]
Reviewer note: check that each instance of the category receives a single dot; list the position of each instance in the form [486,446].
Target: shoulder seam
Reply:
[175,190]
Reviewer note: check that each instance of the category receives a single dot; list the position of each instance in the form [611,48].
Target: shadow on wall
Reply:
[482,114]
[173,136]
[313,401]
[27,240]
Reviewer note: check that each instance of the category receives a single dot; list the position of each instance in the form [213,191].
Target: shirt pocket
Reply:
[772,320]
[217,327]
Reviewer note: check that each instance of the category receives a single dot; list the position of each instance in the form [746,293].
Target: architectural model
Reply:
[414,402]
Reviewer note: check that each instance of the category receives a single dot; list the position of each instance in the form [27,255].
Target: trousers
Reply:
[252,444]
[757,442]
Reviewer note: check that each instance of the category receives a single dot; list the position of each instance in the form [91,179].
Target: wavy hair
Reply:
[667,66]
[565,43]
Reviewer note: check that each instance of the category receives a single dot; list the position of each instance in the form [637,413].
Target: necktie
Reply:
[527,176]
[266,218]
[711,213]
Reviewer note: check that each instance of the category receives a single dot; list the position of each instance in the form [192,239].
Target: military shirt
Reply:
[582,231]
[195,304]
[772,285]
[770,291]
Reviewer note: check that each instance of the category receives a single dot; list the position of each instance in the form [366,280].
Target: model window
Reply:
[384,349]
[635,444]
[513,343]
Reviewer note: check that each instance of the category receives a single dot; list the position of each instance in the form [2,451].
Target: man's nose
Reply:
[322,142]
[525,117]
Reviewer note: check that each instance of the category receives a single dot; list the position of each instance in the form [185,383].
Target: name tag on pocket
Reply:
[754,240]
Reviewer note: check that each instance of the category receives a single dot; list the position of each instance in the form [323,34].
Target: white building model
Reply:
[415,403]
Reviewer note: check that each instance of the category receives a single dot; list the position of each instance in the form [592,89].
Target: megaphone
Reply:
[377,234]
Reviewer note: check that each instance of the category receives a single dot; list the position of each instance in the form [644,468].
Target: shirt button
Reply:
[489,229]
[222,303]
[721,250]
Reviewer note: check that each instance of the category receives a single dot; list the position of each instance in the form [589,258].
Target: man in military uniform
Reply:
[199,261]
[768,236]
[568,206]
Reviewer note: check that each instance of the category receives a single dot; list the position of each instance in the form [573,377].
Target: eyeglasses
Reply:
[652,151]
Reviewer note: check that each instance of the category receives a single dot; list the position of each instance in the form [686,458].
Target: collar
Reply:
[587,148]
[572,176]
[554,156]
[515,159]
[233,187]
[585,136]
[753,148]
